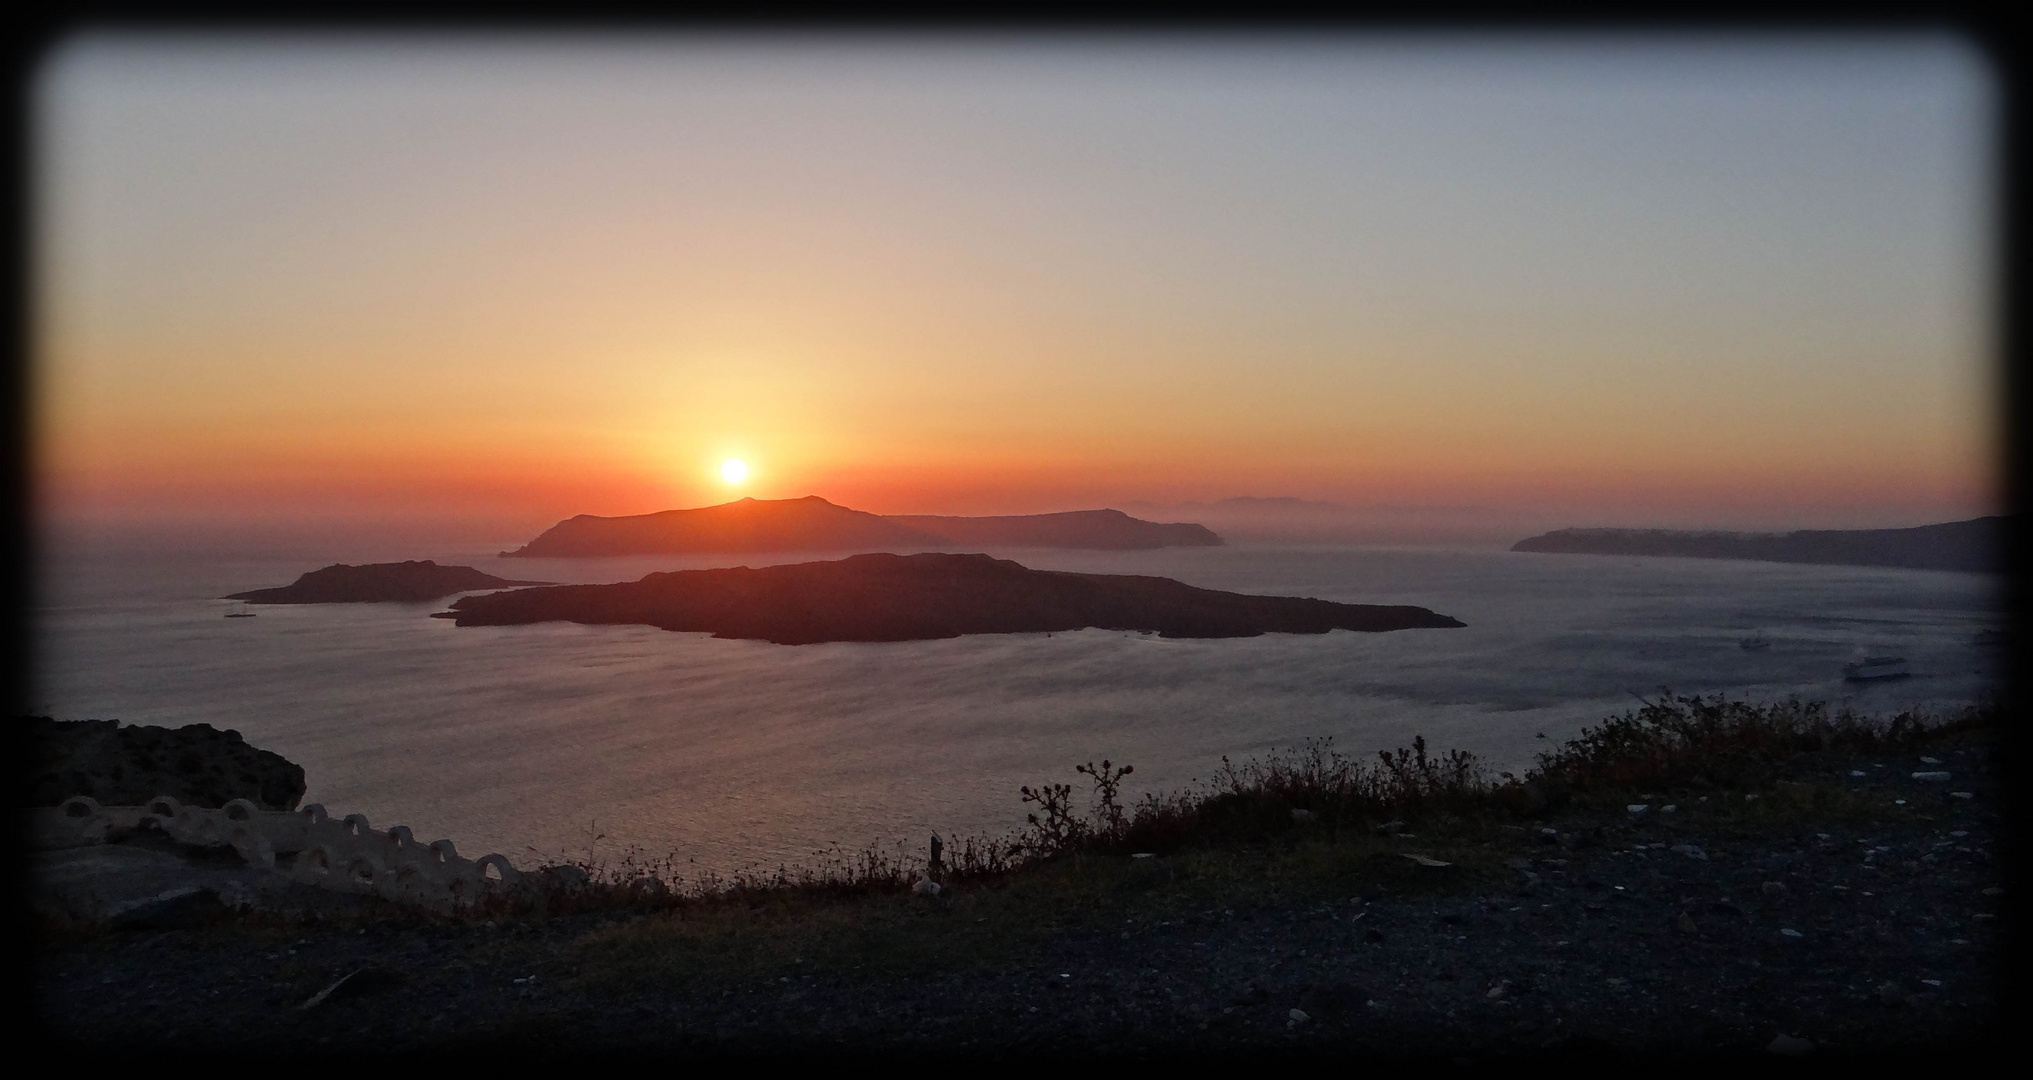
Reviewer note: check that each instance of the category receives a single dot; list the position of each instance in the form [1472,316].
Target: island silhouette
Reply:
[886,597]
[814,524]
[1975,545]
[378,583]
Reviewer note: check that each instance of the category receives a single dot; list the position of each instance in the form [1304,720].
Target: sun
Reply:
[734,470]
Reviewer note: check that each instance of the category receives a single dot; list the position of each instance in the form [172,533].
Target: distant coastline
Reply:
[1975,546]
[814,524]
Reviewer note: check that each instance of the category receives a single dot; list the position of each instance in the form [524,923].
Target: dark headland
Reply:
[813,524]
[1976,545]
[377,582]
[883,597]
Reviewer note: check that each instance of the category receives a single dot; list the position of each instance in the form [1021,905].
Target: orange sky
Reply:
[1733,284]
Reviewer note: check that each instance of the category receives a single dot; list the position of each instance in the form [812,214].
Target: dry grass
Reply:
[1241,827]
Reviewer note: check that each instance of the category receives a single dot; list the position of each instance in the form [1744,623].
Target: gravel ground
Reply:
[1590,931]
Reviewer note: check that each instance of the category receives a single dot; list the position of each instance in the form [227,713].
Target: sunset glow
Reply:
[1647,284]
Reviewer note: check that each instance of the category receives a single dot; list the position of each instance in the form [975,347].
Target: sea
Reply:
[559,741]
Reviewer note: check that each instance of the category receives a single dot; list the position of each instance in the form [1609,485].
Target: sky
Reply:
[492,281]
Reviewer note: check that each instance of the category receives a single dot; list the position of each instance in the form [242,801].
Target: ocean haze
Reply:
[730,753]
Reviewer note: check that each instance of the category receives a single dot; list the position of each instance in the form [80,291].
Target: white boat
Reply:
[1875,667]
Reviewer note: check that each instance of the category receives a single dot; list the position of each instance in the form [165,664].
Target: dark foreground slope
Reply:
[1974,545]
[403,581]
[813,524]
[881,597]
[1102,529]
[1825,902]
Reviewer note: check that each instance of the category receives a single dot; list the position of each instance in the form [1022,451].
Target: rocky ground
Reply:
[1820,915]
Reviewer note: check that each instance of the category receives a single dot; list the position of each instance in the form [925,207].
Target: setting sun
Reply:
[734,470]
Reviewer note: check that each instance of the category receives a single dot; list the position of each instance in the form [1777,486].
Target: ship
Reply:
[1873,668]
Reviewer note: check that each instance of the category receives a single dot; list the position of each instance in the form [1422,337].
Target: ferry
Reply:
[1871,668]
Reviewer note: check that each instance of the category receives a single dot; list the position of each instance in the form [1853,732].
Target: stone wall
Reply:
[305,846]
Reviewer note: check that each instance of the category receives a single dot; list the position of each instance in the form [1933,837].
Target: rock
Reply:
[1298,1016]
[1692,851]
[1788,1046]
[926,887]
[1791,933]
[1685,923]
[1890,994]
[1302,817]
[1773,888]
[1638,808]
[1389,827]
[1669,808]
[197,765]
[1373,936]
[1963,794]
[123,885]
[1425,861]
[1932,777]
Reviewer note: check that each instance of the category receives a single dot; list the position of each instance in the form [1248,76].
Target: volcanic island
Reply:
[886,597]
[403,582]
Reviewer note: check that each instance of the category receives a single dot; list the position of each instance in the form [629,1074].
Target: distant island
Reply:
[1976,545]
[379,582]
[813,524]
[1104,529]
[883,597]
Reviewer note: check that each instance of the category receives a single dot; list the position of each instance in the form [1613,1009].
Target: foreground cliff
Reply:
[1974,545]
[195,764]
[880,597]
[379,583]
[813,524]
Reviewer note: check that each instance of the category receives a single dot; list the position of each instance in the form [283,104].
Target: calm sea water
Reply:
[561,739]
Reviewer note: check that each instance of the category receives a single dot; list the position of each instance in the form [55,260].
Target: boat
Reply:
[1756,643]
[1872,668]
[239,614]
